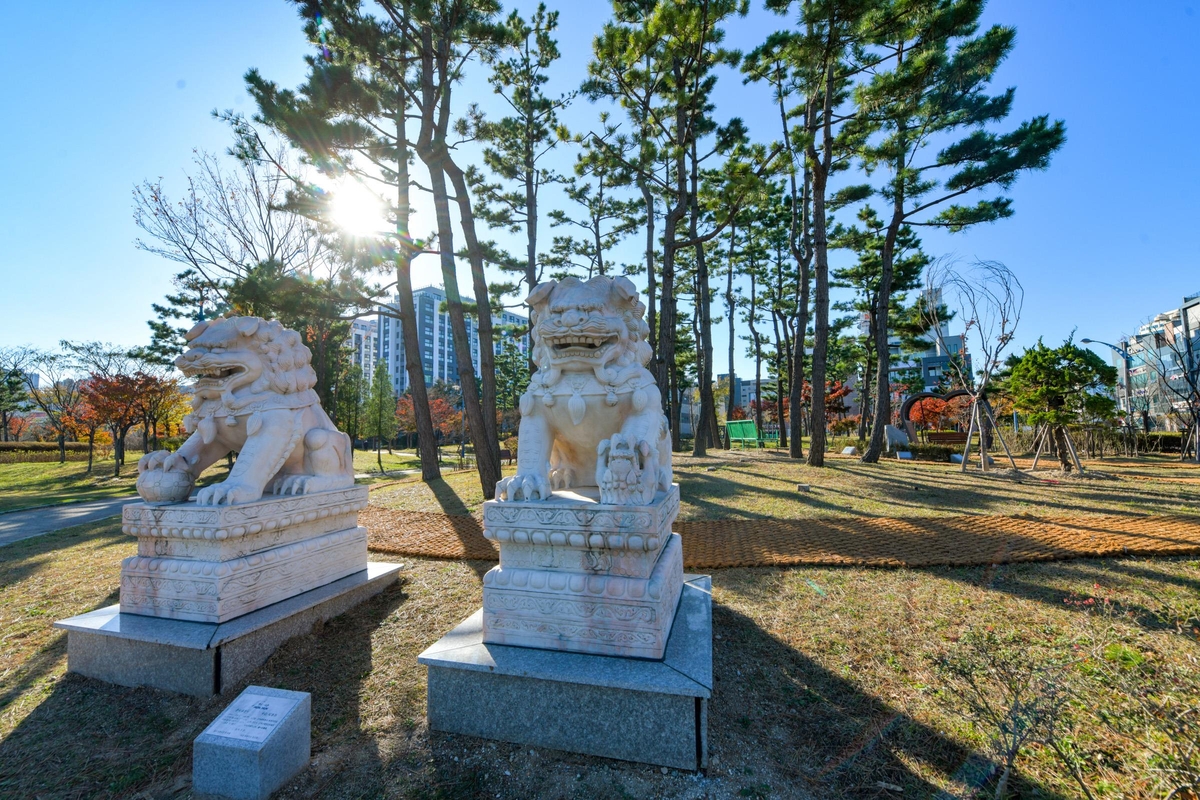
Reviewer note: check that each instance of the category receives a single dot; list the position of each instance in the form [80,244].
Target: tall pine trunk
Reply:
[883,384]
[487,458]
[667,380]
[732,402]
[707,430]
[427,447]
[651,282]
[472,407]
[820,238]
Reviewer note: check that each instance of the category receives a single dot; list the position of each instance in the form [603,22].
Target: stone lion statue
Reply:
[592,416]
[253,396]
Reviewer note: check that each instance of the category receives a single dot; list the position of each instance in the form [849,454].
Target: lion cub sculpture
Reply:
[592,416]
[253,396]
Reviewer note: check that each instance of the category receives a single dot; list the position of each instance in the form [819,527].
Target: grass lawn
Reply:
[43,484]
[366,463]
[756,484]
[827,685]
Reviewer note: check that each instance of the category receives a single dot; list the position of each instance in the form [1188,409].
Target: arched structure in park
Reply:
[909,428]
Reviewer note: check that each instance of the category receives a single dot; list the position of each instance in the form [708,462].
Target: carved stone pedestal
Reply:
[214,590]
[215,563]
[580,576]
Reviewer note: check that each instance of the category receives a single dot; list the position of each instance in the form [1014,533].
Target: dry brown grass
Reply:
[825,684]
[761,484]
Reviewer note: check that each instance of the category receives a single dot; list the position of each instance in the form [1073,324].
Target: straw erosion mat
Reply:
[853,514]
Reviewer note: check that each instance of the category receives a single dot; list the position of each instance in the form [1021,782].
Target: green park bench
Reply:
[742,431]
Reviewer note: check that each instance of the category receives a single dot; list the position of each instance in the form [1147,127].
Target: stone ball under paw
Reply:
[160,486]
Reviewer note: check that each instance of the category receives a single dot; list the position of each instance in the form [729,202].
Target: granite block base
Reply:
[261,741]
[203,659]
[653,712]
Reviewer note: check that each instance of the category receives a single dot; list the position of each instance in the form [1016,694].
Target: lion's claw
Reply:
[562,478]
[226,493]
[523,487]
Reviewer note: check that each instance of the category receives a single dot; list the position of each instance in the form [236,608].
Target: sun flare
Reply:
[357,210]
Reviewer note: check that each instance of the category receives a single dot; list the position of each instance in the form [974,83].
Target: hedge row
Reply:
[8,457]
[41,447]
[921,452]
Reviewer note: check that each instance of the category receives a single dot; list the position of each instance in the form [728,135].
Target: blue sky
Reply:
[104,95]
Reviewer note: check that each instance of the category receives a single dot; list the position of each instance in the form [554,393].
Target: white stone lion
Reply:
[253,396]
[592,416]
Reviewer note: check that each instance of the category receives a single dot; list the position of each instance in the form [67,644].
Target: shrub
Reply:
[42,447]
[172,443]
[839,443]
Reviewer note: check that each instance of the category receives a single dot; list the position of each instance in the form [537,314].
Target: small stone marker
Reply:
[257,744]
[850,451]
[904,455]
[801,487]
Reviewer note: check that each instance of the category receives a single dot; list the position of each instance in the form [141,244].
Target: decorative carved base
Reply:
[218,591]
[221,533]
[216,563]
[571,532]
[601,614]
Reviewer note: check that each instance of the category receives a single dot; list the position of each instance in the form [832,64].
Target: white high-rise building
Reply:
[436,339]
[364,341]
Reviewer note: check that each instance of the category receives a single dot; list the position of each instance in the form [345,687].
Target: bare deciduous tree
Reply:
[229,222]
[988,298]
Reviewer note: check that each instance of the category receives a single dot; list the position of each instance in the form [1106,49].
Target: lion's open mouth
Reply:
[215,374]
[583,346]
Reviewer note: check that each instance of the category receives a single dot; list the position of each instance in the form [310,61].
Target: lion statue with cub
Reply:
[592,415]
[253,396]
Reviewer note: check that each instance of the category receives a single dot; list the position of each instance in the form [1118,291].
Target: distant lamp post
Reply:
[1128,383]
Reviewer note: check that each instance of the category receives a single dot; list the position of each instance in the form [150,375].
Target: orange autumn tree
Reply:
[446,417]
[116,402]
[928,412]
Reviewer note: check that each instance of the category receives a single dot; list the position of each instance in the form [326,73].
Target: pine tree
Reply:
[516,145]
[14,398]
[379,420]
[1061,386]
[927,113]
[351,118]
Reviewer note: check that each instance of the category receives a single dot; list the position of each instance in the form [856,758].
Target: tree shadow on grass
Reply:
[23,559]
[90,739]
[1097,579]
[778,715]
[448,498]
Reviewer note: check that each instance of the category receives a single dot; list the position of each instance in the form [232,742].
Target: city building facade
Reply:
[436,339]
[1160,367]
[364,342]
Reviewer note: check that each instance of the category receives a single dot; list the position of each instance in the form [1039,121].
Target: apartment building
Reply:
[438,357]
[1153,370]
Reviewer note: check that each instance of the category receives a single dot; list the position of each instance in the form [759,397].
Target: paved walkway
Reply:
[18,525]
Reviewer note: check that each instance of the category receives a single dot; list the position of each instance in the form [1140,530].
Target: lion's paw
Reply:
[562,478]
[164,460]
[291,484]
[523,487]
[226,493]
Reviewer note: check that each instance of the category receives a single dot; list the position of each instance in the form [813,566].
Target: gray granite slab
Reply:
[691,652]
[631,709]
[203,659]
[641,726]
[686,668]
[256,745]
[109,621]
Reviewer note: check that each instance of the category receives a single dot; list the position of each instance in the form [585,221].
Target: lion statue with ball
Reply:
[253,396]
[592,416]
